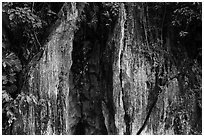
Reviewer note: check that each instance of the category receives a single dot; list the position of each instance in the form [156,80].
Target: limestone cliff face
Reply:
[113,83]
[137,83]
[49,80]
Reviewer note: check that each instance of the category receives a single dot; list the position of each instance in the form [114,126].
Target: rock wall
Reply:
[138,91]
[48,83]
[119,84]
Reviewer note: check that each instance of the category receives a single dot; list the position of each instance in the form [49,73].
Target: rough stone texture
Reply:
[49,80]
[117,74]
[115,88]
[135,85]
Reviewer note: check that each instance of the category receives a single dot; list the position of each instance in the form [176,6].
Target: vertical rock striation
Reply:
[112,83]
[49,80]
[144,101]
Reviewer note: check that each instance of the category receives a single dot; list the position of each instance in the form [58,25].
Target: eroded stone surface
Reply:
[115,87]
[49,81]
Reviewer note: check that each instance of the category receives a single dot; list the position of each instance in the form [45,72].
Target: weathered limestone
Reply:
[114,90]
[136,83]
[49,80]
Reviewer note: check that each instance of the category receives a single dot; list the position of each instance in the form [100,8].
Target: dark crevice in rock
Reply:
[91,74]
[152,100]
[147,117]
[80,128]
[106,77]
